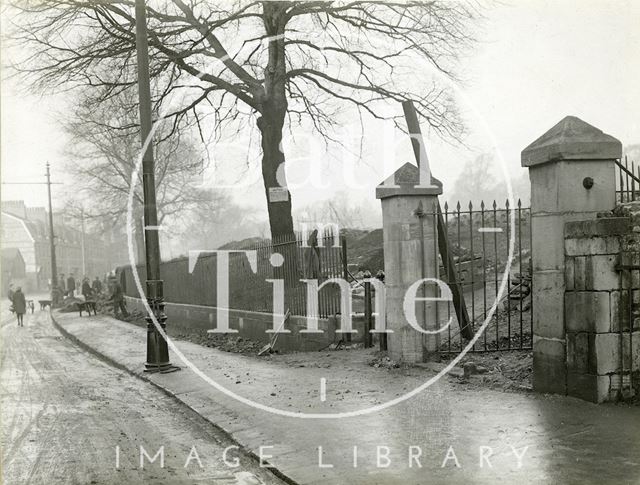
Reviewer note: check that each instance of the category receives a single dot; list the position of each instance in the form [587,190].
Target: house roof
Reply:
[10,254]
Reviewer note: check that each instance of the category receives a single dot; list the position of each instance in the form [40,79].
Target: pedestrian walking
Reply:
[19,305]
[117,296]
[62,285]
[71,285]
[87,292]
[97,286]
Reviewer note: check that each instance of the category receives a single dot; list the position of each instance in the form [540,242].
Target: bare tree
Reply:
[277,63]
[482,180]
[104,157]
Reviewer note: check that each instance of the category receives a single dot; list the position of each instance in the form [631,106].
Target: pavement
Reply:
[65,413]
[447,433]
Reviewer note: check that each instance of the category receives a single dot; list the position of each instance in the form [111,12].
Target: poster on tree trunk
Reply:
[278,194]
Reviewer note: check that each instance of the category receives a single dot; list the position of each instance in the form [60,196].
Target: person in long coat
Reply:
[19,305]
[117,296]
[71,286]
[97,286]
[87,292]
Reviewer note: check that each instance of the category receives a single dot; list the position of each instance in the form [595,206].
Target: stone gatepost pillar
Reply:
[410,254]
[571,169]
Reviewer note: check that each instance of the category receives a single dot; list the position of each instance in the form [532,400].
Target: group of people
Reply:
[69,286]
[90,290]
[18,303]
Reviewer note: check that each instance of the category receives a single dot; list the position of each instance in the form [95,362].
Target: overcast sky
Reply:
[537,62]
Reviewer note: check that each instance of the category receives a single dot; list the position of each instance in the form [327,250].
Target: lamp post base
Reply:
[157,349]
[151,368]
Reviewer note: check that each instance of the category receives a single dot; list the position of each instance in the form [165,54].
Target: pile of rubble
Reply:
[70,304]
[382,360]
[226,343]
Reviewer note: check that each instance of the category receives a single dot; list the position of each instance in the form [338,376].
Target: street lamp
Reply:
[157,350]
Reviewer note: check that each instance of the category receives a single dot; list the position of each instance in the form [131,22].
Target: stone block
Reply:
[549,366]
[577,352]
[592,245]
[605,389]
[600,273]
[406,345]
[548,304]
[569,274]
[544,188]
[635,344]
[623,311]
[589,387]
[579,273]
[587,311]
[606,353]
[599,227]
[574,197]
[547,241]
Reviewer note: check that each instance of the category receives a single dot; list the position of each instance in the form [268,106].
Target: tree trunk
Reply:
[273,109]
[273,175]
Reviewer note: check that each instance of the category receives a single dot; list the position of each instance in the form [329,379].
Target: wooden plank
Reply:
[449,268]
[420,154]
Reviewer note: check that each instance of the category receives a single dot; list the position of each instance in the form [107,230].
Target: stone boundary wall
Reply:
[253,325]
[594,304]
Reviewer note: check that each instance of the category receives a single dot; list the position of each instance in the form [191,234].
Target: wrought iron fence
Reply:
[479,240]
[627,180]
[303,257]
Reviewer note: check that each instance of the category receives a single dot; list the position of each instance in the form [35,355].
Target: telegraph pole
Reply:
[157,350]
[82,243]
[52,246]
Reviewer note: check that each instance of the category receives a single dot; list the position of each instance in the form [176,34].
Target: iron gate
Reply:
[479,240]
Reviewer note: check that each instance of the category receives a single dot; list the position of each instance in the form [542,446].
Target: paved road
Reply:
[64,412]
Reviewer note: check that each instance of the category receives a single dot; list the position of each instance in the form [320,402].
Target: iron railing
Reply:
[627,180]
[249,285]
[321,259]
[479,240]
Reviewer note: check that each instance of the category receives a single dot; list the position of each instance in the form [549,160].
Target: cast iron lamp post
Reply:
[157,350]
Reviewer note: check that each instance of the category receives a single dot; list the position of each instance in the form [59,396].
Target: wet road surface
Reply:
[65,415]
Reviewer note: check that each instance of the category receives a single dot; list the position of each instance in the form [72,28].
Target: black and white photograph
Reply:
[357,242]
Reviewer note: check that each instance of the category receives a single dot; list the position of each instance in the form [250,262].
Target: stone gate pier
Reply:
[410,255]
[578,344]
